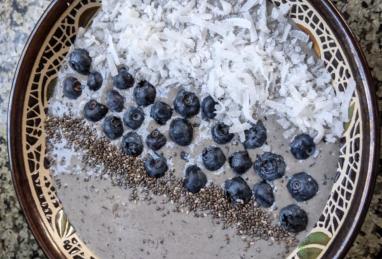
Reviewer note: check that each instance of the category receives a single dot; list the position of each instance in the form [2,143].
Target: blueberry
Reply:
[186,104]
[155,166]
[255,136]
[302,146]
[237,190]
[270,166]
[263,194]
[293,218]
[208,107]
[72,88]
[194,179]
[95,80]
[80,61]
[133,117]
[123,80]
[156,140]
[220,133]
[240,162]
[115,101]
[181,132]
[112,127]
[302,186]
[144,93]
[161,112]
[132,144]
[213,158]
[95,111]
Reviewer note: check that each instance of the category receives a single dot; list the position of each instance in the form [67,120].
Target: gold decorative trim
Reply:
[336,63]
[44,74]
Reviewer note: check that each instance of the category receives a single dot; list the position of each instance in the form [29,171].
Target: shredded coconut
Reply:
[246,54]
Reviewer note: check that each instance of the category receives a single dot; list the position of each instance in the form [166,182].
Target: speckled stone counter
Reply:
[17,18]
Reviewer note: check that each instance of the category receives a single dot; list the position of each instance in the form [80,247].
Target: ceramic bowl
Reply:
[36,75]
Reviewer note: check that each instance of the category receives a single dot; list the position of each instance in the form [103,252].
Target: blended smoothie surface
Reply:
[116,226]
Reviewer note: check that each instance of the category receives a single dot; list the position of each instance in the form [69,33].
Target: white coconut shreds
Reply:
[245,54]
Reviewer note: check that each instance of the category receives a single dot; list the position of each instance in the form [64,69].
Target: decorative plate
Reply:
[37,71]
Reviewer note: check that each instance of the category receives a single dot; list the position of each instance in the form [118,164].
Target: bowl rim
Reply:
[20,183]
[356,215]
[358,208]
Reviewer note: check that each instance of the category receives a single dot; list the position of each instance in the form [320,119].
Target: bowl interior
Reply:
[34,81]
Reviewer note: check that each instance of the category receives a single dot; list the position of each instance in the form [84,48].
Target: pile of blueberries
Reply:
[268,166]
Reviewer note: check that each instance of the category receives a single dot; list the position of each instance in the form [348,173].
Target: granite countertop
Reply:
[17,18]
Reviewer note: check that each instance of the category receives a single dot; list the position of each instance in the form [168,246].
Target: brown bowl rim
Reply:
[369,170]
[326,9]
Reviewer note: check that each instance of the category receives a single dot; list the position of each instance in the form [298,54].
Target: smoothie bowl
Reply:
[193,129]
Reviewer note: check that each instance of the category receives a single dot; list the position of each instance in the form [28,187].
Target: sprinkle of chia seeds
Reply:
[128,172]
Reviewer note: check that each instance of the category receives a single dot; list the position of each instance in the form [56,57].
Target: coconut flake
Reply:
[248,5]
[112,67]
